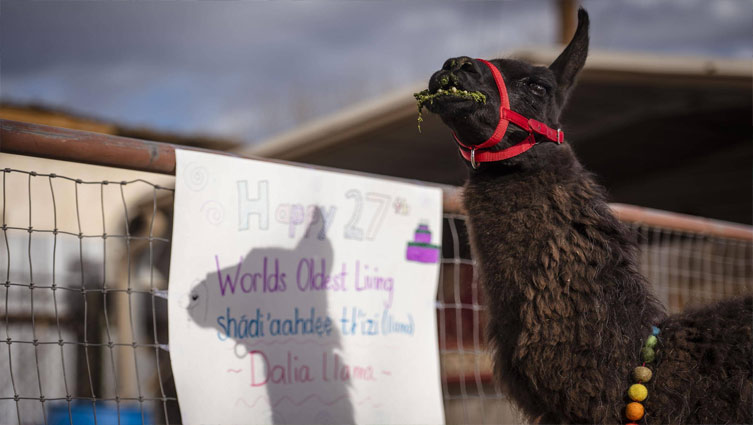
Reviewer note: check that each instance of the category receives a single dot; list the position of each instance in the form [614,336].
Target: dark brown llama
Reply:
[569,311]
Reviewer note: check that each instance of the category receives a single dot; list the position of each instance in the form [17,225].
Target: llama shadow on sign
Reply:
[295,359]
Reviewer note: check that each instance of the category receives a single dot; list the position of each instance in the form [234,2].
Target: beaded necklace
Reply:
[638,392]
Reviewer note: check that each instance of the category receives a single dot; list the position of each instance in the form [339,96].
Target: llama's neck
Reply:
[560,277]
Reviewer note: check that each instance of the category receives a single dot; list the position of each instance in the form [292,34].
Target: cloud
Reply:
[251,69]
[690,27]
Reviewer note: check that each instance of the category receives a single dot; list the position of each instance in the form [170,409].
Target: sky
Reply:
[250,70]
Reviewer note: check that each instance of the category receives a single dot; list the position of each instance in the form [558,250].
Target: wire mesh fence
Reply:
[83,313]
[690,269]
[84,303]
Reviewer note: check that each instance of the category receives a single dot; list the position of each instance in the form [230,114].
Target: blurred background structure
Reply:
[661,114]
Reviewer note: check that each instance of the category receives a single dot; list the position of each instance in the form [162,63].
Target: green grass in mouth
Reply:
[424,97]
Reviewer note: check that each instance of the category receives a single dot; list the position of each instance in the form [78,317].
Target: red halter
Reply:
[506,115]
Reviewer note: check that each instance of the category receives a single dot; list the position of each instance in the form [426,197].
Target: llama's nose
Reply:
[461,62]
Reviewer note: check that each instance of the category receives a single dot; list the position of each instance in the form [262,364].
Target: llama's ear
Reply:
[569,63]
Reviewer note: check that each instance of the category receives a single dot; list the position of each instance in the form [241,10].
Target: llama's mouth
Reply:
[449,94]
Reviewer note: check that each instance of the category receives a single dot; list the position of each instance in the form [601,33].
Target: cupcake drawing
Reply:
[421,249]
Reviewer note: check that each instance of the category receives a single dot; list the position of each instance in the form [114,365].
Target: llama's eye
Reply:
[537,88]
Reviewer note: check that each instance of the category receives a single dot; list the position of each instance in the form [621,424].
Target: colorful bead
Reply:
[637,392]
[634,411]
[647,354]
[642,374]
[651,341]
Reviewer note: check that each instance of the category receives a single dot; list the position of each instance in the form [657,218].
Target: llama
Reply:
[570,315]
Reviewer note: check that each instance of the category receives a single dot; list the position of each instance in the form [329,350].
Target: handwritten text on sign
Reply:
[302,296]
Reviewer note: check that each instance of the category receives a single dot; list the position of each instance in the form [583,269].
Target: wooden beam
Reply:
[568,11]
[101,149]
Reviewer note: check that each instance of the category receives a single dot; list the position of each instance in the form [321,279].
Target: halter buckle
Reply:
[559,133]
[474,164]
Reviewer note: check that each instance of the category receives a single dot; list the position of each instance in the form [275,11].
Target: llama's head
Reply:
[467,98]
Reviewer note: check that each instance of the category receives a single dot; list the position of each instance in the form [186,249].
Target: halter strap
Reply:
[506,116]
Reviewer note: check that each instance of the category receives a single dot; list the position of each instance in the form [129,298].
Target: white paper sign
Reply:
[302,296]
